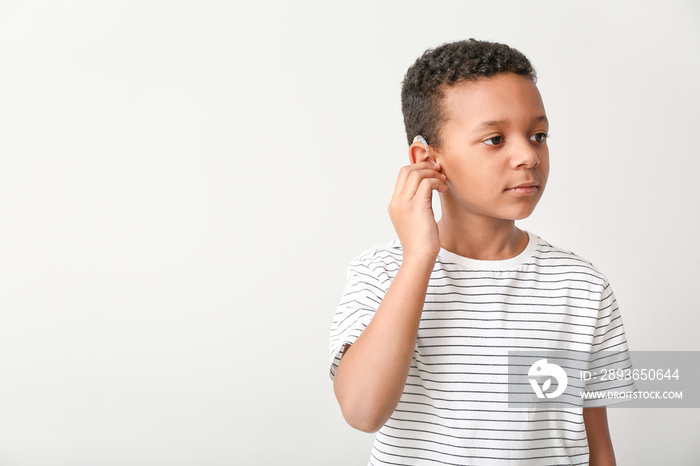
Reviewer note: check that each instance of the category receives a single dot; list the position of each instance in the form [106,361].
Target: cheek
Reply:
[470,183]
[544,167]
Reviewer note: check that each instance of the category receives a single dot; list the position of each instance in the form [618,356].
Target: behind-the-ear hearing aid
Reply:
[422,140]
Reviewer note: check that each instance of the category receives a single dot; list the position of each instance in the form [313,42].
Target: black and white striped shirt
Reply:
[454,408]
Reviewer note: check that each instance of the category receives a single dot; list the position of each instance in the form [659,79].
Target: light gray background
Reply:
[182,185]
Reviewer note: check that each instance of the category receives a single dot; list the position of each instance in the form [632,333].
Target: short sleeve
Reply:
[366,286]
[609,352]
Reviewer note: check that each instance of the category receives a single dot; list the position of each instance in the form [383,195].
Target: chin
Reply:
[523,210]
[521,214]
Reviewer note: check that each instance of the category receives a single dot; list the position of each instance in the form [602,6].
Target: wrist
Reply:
[424,260]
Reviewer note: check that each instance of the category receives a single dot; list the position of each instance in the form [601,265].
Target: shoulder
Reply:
[381,262]
[560,260]
[384,254]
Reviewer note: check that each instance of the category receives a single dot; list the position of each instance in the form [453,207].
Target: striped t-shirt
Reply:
[454,408]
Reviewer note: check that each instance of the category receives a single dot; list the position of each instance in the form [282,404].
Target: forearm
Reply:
[372,374]
[599,442]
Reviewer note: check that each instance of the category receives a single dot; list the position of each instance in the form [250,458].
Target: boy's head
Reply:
[477,105]
[437,69]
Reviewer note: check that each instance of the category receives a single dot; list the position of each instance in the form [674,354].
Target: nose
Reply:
[524,155]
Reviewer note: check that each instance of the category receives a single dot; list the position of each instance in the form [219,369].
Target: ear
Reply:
[417,153]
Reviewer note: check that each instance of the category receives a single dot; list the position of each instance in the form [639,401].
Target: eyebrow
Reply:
[487,124]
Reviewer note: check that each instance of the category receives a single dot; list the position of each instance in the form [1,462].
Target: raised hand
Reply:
[411,209]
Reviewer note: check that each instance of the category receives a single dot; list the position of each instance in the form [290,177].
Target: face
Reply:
[493,148]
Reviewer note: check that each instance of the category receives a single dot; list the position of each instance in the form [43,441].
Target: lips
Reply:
[529,187]
[527,184]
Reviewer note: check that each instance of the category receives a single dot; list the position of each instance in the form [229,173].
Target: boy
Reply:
[419,339]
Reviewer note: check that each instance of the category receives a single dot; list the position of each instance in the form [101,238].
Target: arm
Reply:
[372,373]
[599,442]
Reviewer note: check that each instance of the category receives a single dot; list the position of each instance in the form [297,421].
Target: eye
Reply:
[539,137]
[494,141]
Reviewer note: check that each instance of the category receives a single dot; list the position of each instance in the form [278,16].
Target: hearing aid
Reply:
[422,140]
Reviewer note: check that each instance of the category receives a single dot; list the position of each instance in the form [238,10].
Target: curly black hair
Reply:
[446,65]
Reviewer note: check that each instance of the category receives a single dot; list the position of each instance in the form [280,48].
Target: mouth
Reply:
[525,188]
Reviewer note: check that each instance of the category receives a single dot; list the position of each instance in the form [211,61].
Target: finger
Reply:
[401,180]
[427,185]
[406,171]
[416,177]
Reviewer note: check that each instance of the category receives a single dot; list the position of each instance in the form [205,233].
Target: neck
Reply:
[481,238]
